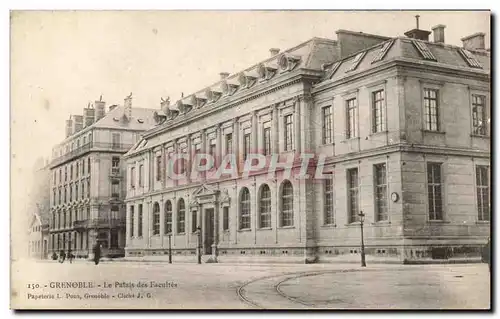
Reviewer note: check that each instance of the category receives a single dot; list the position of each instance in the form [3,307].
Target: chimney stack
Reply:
[89,115]
[100,109]
[223,75]
[417,33]
[438,33]
[474,41]
[69,127]
[128,106]
[274,51]
[77,123]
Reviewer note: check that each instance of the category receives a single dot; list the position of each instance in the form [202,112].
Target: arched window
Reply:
[181,217]
[168,217]
[245,209]
[265,207]
[286,204]
[156,218]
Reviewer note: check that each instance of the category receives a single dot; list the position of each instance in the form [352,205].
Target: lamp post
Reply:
[170,248]
[198,233]
[361,220]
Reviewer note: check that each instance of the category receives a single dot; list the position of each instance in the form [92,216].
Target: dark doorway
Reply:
[209,230]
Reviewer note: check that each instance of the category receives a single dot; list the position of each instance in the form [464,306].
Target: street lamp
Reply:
[361,220]
[170,248]
[198,233]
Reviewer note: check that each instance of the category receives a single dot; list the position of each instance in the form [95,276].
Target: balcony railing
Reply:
[99,223]
[92,146]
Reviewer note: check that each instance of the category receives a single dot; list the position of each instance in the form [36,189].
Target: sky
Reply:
[62,60]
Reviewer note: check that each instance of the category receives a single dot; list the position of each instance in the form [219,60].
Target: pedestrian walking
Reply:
[97,253]
[485,254]
[62,256]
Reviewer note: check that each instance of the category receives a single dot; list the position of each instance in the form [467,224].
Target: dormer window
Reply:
[330,71]
[288,62]
[383,51]
[470,58]
[357,60]
[424,50]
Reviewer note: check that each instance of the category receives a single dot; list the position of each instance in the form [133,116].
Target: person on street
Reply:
[62,256]
[485,254]
[97,253]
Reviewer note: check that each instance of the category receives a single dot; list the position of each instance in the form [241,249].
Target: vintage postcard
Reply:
[250,160]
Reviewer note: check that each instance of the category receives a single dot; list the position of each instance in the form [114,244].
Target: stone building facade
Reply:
[88,178]
[401,125]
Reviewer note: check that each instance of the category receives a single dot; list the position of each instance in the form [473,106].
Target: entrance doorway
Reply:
[209,230]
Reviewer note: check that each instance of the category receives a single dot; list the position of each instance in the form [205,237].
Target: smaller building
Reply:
[38,236]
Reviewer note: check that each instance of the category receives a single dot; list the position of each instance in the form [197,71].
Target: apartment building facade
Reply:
[88,178]
[402,127]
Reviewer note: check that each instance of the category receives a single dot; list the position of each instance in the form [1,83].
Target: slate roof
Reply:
[445,55]
[142,120]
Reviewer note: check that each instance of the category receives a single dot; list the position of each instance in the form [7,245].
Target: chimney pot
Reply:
[274,51]
[474,41]
[438,31]
[223,75]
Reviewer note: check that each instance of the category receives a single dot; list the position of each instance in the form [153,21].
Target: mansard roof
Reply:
[142,119]
[430,53]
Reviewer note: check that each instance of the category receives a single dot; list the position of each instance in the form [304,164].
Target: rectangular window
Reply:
[132,221]
[116,140]
[77,170]
[115,189]
[115,212]
[65,173]
[380,192]
[83,189]
[194,221]
[352,119]
[71,192]
[328,204]
[434,191]
[88,166]
[353,194]
[132,177]
[139,221]
[71,172]
[327,124]
[76,191]
[267,141]
[141,168]
[431,112]
[158,168]
[378,112]
[229,143]
[54,196]
[483,192]
[88,187]
[288,132]
[246,145]
[181,220]
[115,165]
[478,114]
[225,218]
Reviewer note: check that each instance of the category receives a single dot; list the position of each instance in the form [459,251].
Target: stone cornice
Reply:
[467,73]
[238,98]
